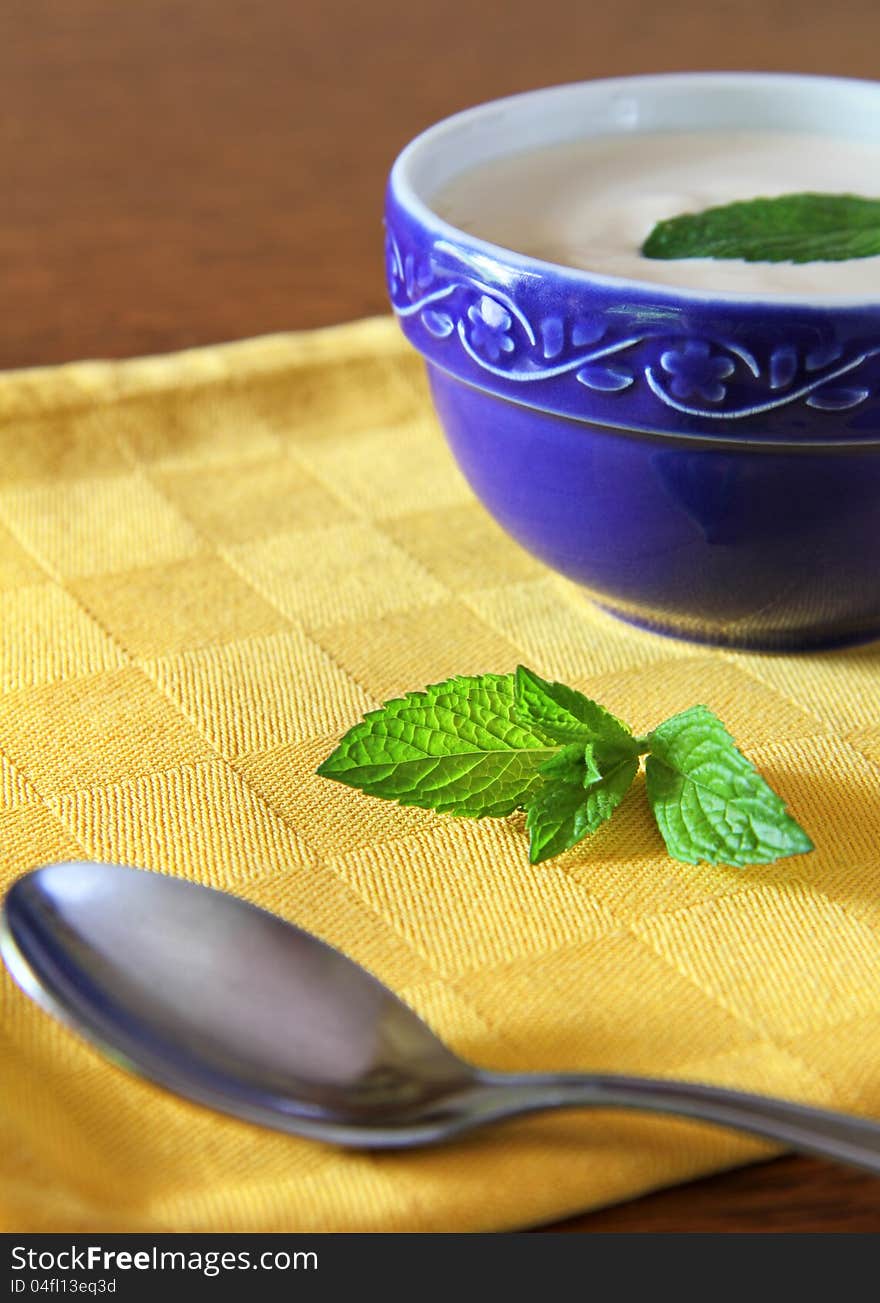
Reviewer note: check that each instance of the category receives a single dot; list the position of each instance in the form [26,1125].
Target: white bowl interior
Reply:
[669,102]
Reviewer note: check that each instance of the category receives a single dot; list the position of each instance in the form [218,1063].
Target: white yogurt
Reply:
[592,203]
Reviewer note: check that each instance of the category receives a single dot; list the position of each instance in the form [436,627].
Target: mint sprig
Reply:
[487,745]
[789,228]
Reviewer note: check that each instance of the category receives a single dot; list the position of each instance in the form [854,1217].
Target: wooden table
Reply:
[176,172]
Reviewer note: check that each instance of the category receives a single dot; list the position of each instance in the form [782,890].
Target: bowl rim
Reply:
[407,197]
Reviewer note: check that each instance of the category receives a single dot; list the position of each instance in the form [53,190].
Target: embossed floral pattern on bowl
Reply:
[709,464]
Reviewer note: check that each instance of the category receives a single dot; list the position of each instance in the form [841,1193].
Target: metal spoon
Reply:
[230,1006]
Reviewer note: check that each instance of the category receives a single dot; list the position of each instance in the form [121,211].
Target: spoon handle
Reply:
[854,1141]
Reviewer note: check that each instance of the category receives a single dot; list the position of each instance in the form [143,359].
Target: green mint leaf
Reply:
[790,228]
[571,803]
[458,748]
[710,802]
[494,743]
[566,715]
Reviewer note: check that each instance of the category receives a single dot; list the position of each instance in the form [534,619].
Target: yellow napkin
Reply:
[213,564]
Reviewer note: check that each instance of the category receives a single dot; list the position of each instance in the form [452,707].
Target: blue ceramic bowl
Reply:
[706,465]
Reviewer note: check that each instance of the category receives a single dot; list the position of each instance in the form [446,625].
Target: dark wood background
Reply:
[177,172]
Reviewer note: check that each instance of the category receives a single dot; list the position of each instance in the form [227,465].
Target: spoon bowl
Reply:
[226,1003]
[230,1006]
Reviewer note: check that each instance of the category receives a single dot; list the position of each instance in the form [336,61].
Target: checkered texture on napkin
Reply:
[213,564]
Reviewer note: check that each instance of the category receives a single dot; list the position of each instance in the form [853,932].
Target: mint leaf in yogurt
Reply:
[789,228]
